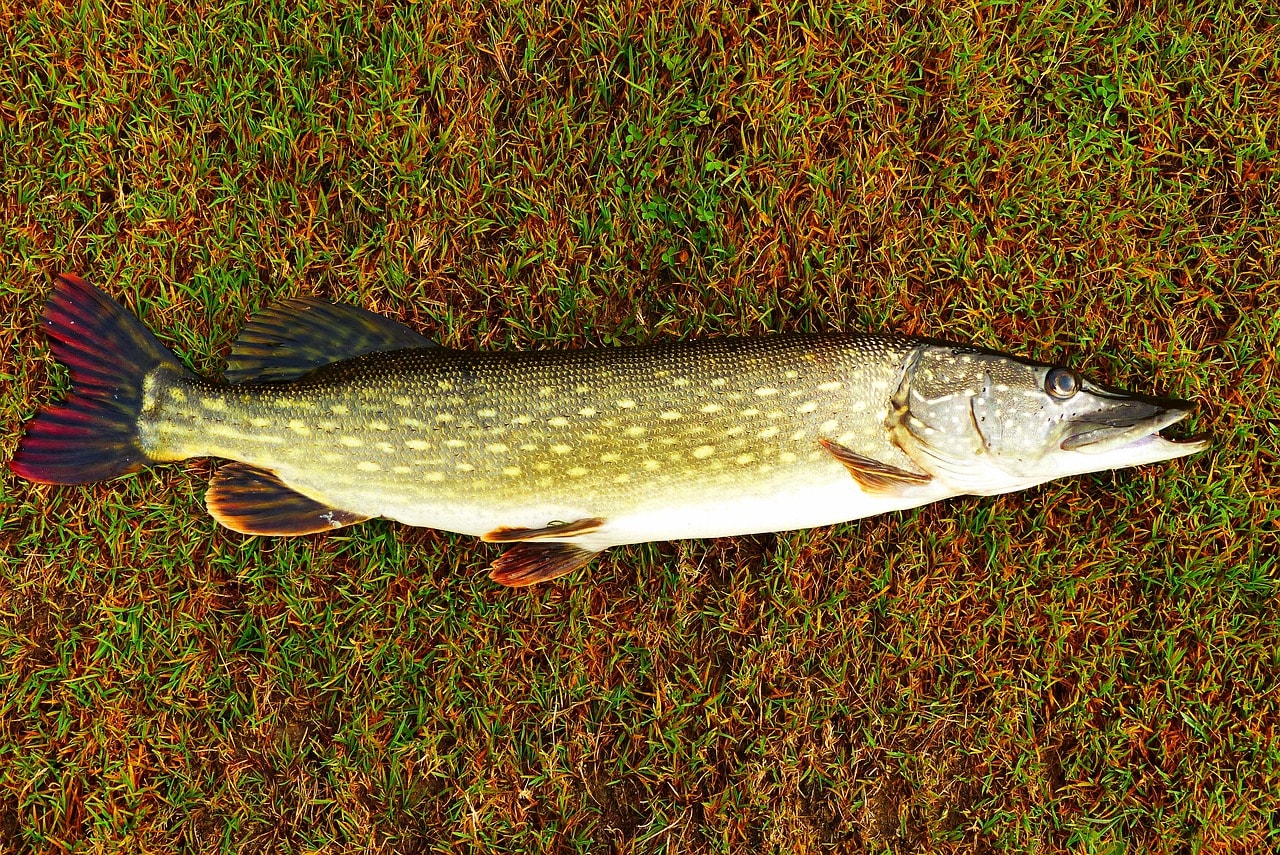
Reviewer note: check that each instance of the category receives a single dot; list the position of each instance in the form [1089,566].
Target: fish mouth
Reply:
[1133,423]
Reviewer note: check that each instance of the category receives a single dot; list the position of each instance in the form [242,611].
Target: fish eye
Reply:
[1061,382]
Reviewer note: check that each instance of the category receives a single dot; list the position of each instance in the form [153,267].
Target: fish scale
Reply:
[554,428]
[337,415]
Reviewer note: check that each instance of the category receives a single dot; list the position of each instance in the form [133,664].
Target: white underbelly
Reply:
[687,514]
[808,507]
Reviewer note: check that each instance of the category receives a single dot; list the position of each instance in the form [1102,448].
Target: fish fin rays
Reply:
[555,530]
[293,338]
[532,562]
[254,501]
[93,434]
[872,475]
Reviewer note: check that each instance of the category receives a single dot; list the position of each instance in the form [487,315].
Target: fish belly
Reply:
[815,504]
[829,496]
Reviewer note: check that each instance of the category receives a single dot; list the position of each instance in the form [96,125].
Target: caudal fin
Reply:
[93,434]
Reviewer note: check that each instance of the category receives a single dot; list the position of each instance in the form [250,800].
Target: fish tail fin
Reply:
[93,434]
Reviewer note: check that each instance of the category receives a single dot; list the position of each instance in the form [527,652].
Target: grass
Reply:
[1090,666]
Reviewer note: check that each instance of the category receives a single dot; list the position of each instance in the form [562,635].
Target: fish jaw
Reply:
[1139,446]
[1129,432]
[1144,445]
[1140,452]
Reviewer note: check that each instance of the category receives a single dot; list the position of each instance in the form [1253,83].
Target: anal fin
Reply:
[548,532]
[529,563]
[250,500]
[872,475]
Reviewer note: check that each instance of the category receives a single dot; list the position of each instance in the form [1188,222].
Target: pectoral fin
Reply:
[529,563]
[254,501]
[872,475]
[548,532]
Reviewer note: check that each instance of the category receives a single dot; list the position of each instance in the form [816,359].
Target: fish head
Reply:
[988,423]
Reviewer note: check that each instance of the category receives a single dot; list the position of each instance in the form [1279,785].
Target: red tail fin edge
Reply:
[92,435]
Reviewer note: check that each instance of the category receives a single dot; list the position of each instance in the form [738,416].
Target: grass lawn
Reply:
[1089,666]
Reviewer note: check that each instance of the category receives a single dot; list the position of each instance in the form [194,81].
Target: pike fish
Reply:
[332,415]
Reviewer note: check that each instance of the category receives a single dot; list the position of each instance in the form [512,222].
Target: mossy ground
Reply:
[1088,666]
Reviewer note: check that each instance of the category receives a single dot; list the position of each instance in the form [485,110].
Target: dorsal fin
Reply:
[295,337]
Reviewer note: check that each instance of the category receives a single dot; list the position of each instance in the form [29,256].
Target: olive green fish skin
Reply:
[438,437]
[338,415]
[670,440]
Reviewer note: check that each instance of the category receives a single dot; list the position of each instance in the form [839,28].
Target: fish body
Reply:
[685,439]
[334,415]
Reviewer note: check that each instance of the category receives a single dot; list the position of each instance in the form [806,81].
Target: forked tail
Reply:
[93,434]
